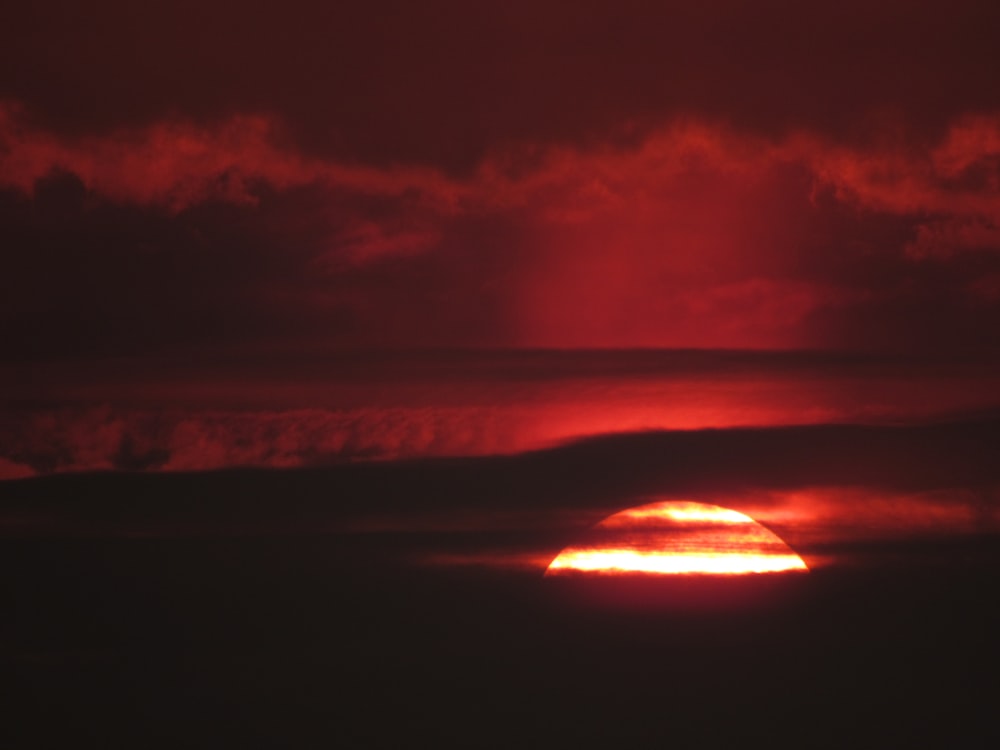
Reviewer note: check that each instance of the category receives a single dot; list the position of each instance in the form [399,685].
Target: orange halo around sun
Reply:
[678,538]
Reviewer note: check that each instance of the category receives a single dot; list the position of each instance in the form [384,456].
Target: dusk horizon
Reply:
[536,373]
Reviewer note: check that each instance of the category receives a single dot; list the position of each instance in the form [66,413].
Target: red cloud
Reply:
[14,470]
[696,236]
[175,164]
[952,189]
[410,409]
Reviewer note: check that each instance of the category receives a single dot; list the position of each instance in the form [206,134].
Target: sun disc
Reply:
[678,538]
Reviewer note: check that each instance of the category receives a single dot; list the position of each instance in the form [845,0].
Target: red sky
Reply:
[744,175]
[330,322]
[290,178]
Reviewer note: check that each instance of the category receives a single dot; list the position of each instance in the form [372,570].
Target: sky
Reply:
[208,212]
[734,175]
[325,326]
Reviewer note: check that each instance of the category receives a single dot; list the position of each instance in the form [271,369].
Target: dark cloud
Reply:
[89,276]
[852,491]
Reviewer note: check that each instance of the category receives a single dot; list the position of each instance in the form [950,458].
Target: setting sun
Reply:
[670,538]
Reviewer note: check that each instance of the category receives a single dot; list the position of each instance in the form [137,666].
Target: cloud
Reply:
[692,234]
[848,493]
[829,525]
[175,164]
[952,189]
[13,470]
[386,408]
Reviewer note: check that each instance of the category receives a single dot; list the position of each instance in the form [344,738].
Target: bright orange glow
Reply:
[670,538]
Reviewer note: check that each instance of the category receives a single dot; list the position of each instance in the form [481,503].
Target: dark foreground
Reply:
[297,609]
[320,641]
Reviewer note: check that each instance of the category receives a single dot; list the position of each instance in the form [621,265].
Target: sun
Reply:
[678,538]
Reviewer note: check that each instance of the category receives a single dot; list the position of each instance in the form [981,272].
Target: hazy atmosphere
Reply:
[327,328]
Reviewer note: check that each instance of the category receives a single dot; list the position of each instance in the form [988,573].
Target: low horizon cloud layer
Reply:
[840,496]
[143,416]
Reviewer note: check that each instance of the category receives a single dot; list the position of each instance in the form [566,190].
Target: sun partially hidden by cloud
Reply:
[678,537]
